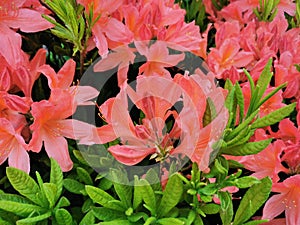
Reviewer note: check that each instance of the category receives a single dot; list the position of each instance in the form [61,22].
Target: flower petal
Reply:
[57,148]
[273,207]
[130,155]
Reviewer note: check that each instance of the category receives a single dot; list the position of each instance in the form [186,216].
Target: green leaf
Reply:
[210,208]
[240,101]
[153,179]
[35,219]
[105,184]
[273,92]
[80,157]
[74,186]
[148,195]
[209,189]
[245,182]
[137,193]
[253,200]
[137,216]
[241,126]
[247,149]
[171,195]
[21,209]
[226,211]
[191,217]
[198,221]
[56,177]
[84,176]
[51,193]
[41,186]
[3,222]
[240,137]
[124,191]
[88,203]
[117,222]
[264,80]
[230,103]
[63,217]
[255,222]
[103,198]
[210,112]
[63,202]
[168,221]
[88,219]
[106,214]
[14,198]
[274,116]
[24,184]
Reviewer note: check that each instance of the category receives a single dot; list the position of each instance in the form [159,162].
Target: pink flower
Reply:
[287,200]
[291,136]
[267,162]
[14,15]
[51,125]
[286,72]
[122,56]
[189,39]
[283,6]
[11,107]
[108,29]
[228,55]
[158,58]
[146,19]
[26,73]
[63,79]
[13,147]
[155,96]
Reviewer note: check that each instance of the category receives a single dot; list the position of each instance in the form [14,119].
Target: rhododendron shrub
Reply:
[157,112]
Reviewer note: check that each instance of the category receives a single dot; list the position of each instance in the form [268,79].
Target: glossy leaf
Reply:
[148,195]
[210,208]
[103,198]
[51,193]
[245,182]
[255,222]
[117,222]
[34,219]
[226,210]
[247,149]
[88,219]
[24,184]
[274,116]
[84,176]
[253,200]
[171,195]
[106,214]
[63,217]
[124,191]
[264,80]
[56,177]
[153,179]
[73,186]
[137,193]
[168,221]
[21,209]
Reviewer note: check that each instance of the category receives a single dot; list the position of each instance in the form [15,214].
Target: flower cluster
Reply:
[181,110]
[27,124]
[242,41]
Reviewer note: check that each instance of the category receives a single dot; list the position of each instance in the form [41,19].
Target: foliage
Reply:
[214,91]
